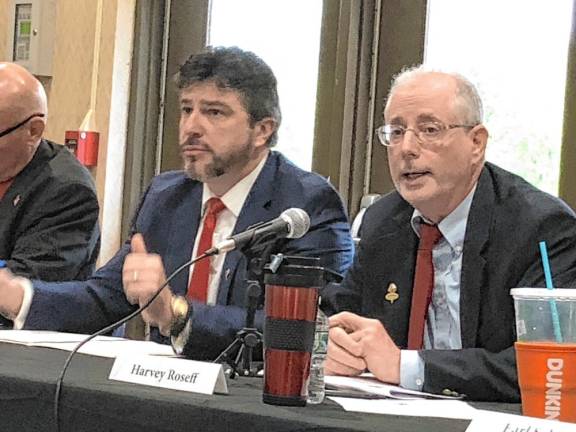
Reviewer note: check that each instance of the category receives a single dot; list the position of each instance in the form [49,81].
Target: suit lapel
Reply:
[402,261]
[472,275]
[182,227]
[17,192]
[16,195]
[258,207]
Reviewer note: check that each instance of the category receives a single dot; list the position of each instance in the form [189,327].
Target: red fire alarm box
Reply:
[84,144]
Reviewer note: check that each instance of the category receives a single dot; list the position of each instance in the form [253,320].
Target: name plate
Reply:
[498,422]
[170,372]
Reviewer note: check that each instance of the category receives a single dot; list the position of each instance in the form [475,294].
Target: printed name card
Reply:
[498,422]
[170,372]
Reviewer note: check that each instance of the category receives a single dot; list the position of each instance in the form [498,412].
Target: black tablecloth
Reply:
[91,402]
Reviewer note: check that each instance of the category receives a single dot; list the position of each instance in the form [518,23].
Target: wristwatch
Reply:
[181,323]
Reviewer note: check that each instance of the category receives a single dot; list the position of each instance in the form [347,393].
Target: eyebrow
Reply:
[422,118]
[209,103]
[427,118]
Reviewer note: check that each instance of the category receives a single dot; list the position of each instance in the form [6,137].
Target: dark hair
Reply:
[243,71]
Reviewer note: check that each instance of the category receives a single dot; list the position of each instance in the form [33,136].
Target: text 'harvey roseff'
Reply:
[168,375]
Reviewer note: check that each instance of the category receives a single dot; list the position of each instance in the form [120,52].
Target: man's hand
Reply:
[357,343]
[11,294]
[142,275]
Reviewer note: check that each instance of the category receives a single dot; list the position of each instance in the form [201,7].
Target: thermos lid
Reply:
[294,271]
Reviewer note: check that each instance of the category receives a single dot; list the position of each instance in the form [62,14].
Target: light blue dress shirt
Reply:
[442,329]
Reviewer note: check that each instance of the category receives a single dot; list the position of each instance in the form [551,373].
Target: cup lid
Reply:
[544,293]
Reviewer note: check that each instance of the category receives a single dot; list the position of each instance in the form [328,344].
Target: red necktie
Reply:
[198,288]
[423,284]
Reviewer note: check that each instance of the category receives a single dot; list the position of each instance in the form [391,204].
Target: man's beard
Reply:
[220,164]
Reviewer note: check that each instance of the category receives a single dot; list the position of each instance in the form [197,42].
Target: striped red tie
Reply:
[198,287]
[423,284]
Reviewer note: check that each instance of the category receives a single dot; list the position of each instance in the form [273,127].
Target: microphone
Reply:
[292,223]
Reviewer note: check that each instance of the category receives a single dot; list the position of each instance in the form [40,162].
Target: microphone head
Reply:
[298,222]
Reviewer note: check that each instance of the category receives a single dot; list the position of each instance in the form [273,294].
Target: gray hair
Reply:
[468,102]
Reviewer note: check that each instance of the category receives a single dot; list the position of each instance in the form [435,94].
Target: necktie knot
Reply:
[429,236]
[214,206]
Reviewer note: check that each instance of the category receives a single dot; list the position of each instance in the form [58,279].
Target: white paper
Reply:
[102,346]
[172,373]
[452,409]
[500,422]
[366,385]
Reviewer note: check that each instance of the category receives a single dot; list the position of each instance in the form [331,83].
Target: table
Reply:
[91,402]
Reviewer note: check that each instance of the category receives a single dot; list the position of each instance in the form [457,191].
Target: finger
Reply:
[137,244]
[333,367]
[340,355]
[347,320]
[347,342]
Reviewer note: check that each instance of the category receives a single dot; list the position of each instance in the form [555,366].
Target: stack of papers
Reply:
[351,393]
[102,346]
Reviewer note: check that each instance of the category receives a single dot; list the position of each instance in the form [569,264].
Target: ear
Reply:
[479,135]
[263,129]
[36,128]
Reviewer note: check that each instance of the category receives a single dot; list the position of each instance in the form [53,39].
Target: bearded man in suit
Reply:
[232,179]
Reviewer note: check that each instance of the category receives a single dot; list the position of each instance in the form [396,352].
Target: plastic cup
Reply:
[546,352]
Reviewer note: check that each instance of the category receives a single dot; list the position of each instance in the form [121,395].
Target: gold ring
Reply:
[135,276]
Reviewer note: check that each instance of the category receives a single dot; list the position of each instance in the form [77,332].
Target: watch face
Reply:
[180,314]
[179,307]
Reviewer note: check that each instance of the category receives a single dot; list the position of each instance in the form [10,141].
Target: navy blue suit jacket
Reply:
[507,219]
[168,218]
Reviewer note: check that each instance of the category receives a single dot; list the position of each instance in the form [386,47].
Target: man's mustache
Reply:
[194,143]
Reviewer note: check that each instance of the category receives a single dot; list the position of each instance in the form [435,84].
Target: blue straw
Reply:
[550,286]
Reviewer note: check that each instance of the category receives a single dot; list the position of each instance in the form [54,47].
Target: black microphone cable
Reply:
[114,326]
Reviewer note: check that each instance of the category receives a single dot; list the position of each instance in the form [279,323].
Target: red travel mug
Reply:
[291,305]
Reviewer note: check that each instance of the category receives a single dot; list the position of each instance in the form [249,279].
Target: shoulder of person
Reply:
[57,168]
[171,180]
[288,173]
[515,195]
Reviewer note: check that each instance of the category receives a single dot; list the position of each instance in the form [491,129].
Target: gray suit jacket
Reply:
[49,219]
[507,219]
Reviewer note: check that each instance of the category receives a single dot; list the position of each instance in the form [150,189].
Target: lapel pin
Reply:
[227,274]
[392,294]
[16,200]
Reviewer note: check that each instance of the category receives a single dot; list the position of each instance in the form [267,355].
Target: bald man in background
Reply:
[48,204]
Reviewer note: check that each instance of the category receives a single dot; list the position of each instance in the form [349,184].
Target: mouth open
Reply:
[415,175]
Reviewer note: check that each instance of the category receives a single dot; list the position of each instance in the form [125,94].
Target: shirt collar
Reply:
[235,197]
[453,226]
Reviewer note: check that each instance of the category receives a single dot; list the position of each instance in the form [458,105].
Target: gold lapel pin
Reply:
[392,294]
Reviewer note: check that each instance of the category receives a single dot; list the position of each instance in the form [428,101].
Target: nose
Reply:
[410,144]
[191,125]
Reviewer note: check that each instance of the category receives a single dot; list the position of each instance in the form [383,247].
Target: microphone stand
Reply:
[248,338]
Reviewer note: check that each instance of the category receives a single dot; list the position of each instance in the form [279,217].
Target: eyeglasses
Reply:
[426,133]
[19,125]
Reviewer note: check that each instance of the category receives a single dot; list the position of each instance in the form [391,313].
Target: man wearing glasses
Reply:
[48,204]
[427,301]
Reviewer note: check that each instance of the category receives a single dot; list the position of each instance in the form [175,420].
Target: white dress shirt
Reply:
[234,201]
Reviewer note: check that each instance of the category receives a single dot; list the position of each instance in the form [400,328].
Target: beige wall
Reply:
[70,85]
[4,25]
